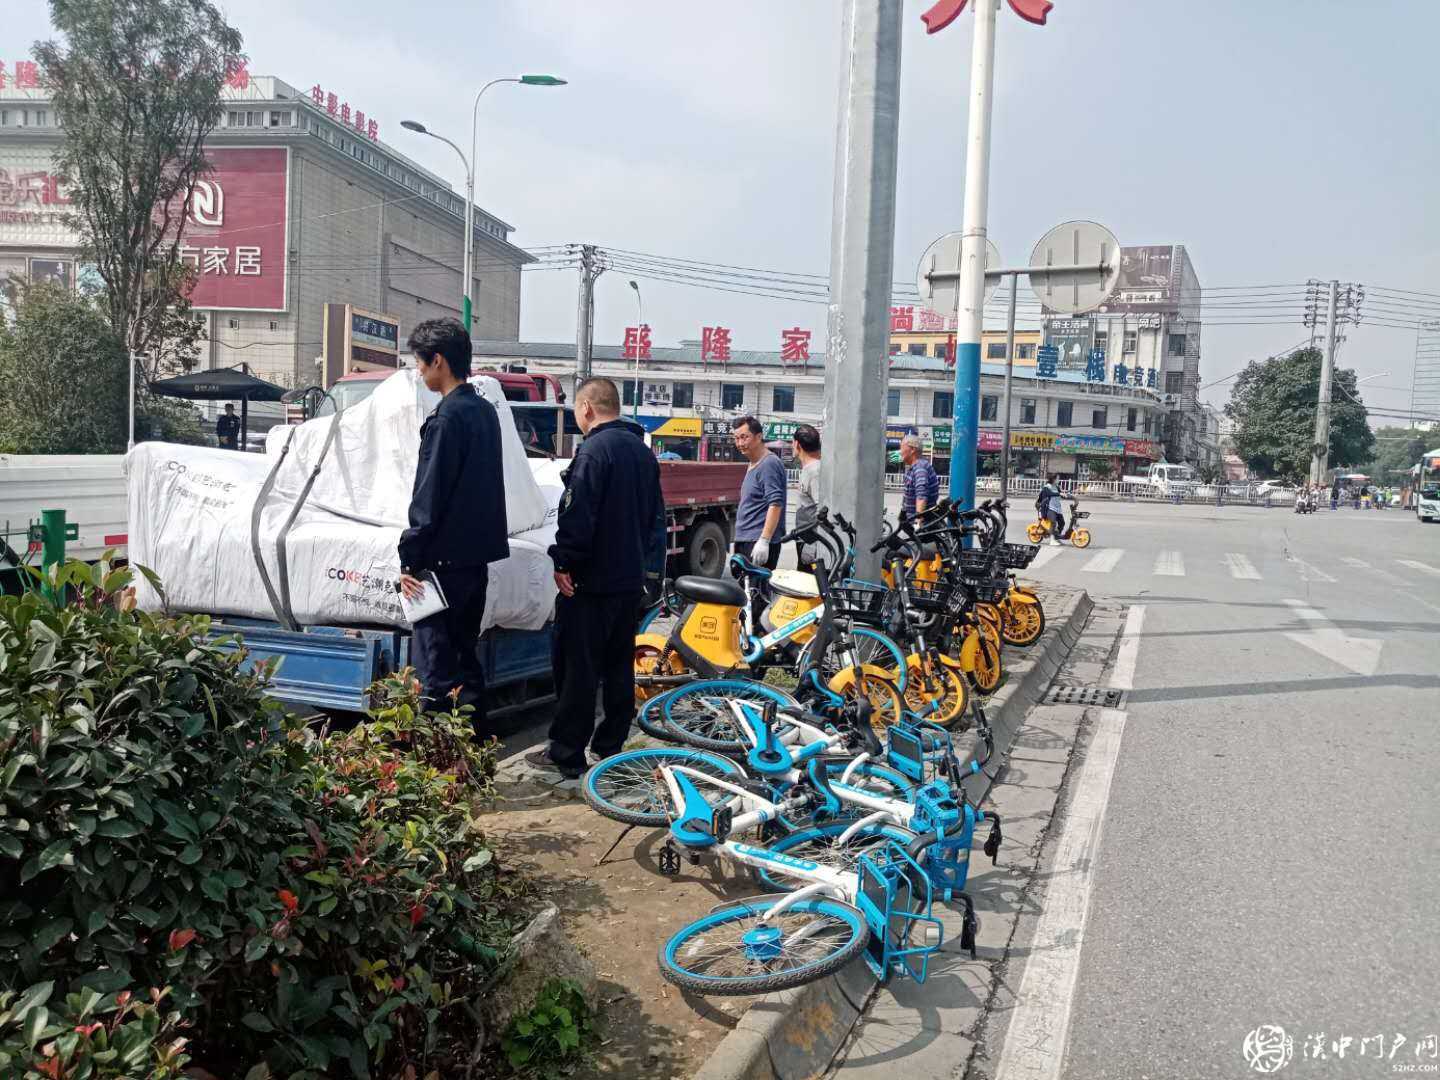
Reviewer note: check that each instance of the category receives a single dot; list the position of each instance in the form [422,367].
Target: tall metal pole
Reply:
[1320,454]
[1009,367]
[862,243]
[585,314]
[966,431]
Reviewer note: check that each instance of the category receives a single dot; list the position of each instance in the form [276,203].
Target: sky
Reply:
[1278,141]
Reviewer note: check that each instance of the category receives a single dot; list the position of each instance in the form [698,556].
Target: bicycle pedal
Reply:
[724,822]
[669,861]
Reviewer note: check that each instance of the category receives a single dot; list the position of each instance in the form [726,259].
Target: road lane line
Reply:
[1241,567]
[1424,568]
[1104,562]
[1045,554]
[1308,572]
[1170,564]
[1359,564]
[1360,655]
[1123,677]
[1040,1023]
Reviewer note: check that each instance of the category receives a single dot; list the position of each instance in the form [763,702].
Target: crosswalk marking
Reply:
[1241,567]
[1359,564]
[1307,571]
[1424,568]
[1043,556]
[1104,562]
[1170,564]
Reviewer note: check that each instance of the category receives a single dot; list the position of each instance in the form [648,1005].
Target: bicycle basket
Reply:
[932,596]
[895,898]
[976,563]
[859,600]
[1017,556]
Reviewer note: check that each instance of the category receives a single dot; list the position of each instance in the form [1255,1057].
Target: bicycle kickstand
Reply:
[608,851]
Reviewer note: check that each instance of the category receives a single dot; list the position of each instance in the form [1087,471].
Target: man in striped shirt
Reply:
[922,486]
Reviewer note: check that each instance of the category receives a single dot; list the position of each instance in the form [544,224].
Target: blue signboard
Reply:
[1095,366]
[1047,359]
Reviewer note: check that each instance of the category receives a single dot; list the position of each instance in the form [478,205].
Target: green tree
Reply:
[1273,405]
[65,378]
[137,83]
[1396,450]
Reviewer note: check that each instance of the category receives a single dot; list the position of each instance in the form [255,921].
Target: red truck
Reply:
[518,386]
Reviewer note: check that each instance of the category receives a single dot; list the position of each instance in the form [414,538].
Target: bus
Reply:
[1427,486]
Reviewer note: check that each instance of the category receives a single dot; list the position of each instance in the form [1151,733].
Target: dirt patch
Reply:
[618,913]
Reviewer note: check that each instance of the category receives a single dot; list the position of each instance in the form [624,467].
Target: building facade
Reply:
[306,206]
[1063,424]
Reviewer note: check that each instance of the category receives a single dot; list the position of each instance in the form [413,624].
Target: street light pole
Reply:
[467,271]
[639,331]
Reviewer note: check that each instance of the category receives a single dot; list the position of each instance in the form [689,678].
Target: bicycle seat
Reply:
[705,590]
[794,583]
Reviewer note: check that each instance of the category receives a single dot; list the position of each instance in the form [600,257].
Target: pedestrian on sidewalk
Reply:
[807,452]
[457,519]
[922,486]
[760,517]
[227,429]
[609,545]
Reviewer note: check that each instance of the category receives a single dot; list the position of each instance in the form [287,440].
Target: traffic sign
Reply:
[1085,246]
[938,277]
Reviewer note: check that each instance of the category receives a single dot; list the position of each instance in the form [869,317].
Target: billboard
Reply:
[1073,339]
[236,234]
[33,204]
[1149,280]
[358,340]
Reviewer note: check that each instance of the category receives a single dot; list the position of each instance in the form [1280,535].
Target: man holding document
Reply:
[457,520]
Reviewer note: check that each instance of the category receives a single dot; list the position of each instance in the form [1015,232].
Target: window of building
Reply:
[1099,418]
[1132,338]
[995,350]
[917,350]
[942,351]
[732,395]
[894,348]
[989,407]
[944,406]
[1027,410]
[892,403]
[1102,339]
[280,118]
[1176,346]
[4,117]
[274,325]
[684,397]
[1064,413]
[782,399]
[234,324]
[42,117]
[1174,382]
[1025,352]
[1130,416]
[627,392]
[1147,423]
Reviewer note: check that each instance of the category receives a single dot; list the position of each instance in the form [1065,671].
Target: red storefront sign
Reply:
[236,238]
[991,440]
[1141,448]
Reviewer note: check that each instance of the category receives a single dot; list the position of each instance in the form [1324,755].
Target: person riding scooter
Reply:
[1051,505]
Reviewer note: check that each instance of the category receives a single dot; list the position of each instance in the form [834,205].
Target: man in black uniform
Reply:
[227,429]
[609,543]
[457,517]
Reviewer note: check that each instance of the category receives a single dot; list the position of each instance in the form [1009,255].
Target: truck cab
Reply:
[518,385]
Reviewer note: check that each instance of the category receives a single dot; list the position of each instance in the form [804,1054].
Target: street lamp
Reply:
[639,331]
[468,267]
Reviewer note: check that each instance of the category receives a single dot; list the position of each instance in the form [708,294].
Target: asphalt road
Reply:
[1271,848]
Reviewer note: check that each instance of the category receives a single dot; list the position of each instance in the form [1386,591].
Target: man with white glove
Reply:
[760,518]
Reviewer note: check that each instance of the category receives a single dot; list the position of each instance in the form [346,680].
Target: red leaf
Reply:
[290,900]
[51,1067]
[417,912]
[180,938]
[398,982]
[88,1029]
[122,999]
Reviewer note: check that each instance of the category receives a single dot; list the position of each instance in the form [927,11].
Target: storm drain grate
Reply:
[1083,695]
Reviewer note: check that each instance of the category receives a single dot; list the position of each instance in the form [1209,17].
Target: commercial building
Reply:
[307,214]
[1063,424]
[1147,334]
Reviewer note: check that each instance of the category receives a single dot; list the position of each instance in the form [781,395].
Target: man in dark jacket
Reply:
[609,543]
[227,429]
[457,517]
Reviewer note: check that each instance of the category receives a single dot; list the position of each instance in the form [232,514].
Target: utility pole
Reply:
[585,312]
[862,243]
[1320,452]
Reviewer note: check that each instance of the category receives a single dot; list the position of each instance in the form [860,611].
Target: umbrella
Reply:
[222,384]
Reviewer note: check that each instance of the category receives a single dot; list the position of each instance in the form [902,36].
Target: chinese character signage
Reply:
[1095,366]
[22,75]
[1150,378]
[1121,374]
[637,342]
[1072,339]
[235,238]
[237,77]
[794,345]
[342,112]
[902,319]
[1137,377]
[714,343]
[1089,444]
[1047,359]
[33,204]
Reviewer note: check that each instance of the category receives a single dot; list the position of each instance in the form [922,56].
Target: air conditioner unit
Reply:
[1169,400]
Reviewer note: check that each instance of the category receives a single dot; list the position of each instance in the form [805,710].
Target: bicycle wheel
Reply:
[887,708]
[628,787]
[868,647]
[1080,538]
[1035,532]
[943,688]
[651,720]
[699,714]
[1021,624]
[820,843]
[987,671]
[652,658]
[736,949]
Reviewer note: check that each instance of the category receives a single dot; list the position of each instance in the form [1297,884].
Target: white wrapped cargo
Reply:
[239,534]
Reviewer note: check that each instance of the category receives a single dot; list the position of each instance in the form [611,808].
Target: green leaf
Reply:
[30,997]
[258,1072]
[477,861]
[118,829]
[47,936]
[326,906]
[189,855]
[35,1022]
[257,1022]
[54,855]
[10,846]
[257,946]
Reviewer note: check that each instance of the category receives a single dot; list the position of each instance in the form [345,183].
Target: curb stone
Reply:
[795,1035]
